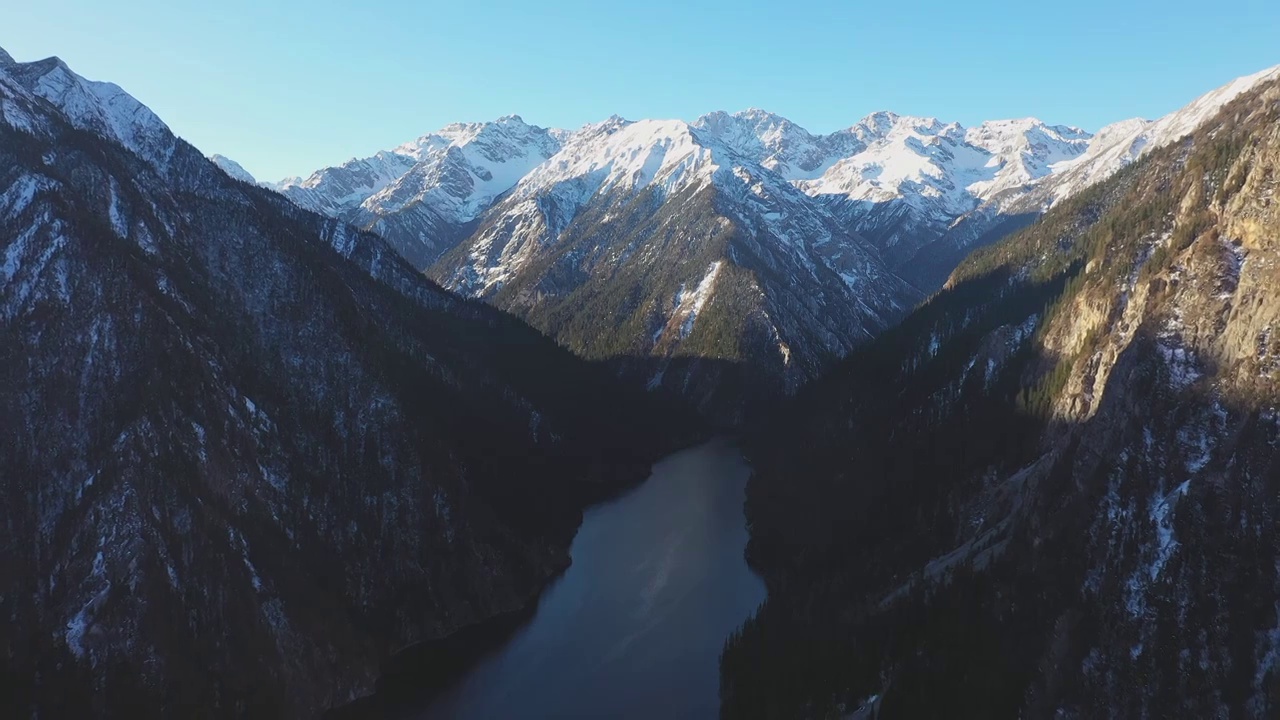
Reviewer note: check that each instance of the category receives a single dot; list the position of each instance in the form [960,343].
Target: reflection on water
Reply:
[634,628]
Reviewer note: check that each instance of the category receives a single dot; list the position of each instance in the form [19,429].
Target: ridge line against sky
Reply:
[290,86]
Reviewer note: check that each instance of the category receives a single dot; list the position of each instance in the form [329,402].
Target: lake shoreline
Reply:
[416,675]
[707,477]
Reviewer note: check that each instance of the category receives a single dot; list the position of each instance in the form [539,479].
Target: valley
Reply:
[428,433]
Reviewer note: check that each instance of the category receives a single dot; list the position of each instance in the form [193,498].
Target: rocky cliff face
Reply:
[1064,503]
[248,450]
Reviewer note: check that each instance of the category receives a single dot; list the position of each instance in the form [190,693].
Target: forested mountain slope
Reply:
[1053,490]
[658,246]
[248,451]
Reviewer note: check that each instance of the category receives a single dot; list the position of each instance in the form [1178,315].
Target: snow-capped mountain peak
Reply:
[1026,150]
[1180,123]
[455,172]
[883,123]
[1109,134]
[877,124]
[705,220]
[774,141]
[335,190]
[232,168]
[611,124]
[1120,144]
[494,137]
[421,195]
[463,167]
[942,169]
[1029,138]
[99,107]
[634,155]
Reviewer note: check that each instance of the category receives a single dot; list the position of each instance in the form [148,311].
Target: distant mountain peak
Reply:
[1124,142]
[884,122]
[880,117]
[46,65]
[610,124]
[756,114]
[232,168]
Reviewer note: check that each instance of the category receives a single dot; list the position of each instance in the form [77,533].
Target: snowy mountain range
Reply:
[939,170]
[656,239]
[251,450]
[739,239]
[898,180]
[805,244]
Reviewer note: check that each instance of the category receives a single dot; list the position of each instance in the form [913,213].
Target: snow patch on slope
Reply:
[690,303]
[80,624]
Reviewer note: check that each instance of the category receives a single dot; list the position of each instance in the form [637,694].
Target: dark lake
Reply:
[634,628]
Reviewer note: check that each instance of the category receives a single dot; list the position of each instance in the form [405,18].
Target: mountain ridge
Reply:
[868,218]
[250,451]
[1018,500]
[1020,151]
[599,245]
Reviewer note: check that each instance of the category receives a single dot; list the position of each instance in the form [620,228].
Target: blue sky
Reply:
[287,86]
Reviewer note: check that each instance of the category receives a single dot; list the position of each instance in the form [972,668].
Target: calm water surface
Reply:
[634,628]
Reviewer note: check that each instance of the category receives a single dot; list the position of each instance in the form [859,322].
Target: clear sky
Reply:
[288,86]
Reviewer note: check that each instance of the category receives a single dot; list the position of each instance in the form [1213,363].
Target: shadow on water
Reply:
[415,676]
[634,628]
